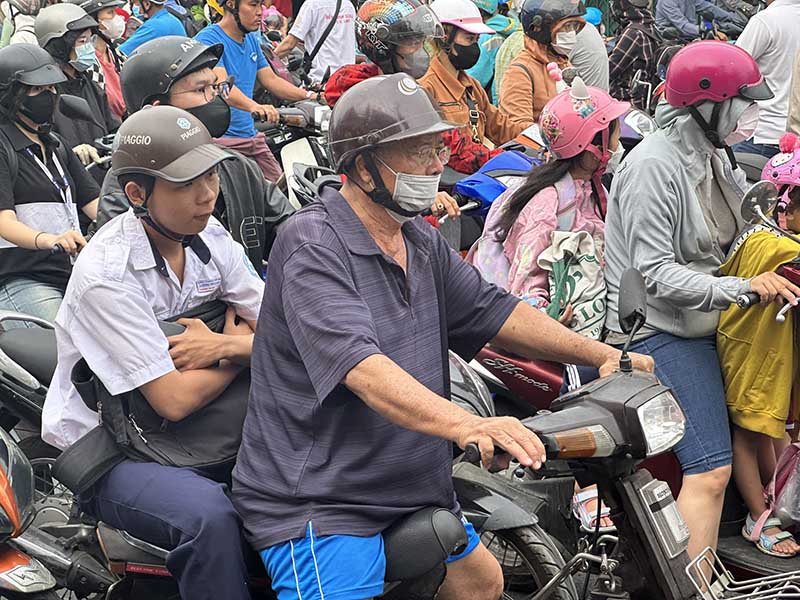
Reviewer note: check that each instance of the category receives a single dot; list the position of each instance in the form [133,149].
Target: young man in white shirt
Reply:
[163,257]
[337,50]
[772,37]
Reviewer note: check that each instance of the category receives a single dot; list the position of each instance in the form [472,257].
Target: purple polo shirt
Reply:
[311,449]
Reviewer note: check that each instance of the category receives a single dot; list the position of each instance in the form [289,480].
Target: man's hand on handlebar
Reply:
[445,204]
[87,154]
[641,362]
[266,113]
[70,241]
[507,433]
[771,287]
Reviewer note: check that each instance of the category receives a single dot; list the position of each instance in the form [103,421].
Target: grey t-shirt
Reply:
[311,449]
[590,57]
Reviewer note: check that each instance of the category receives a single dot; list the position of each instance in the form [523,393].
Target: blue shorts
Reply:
[334,567]
[690,366]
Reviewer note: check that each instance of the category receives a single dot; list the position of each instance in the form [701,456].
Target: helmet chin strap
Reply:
[603,155]
[235,13]
[379,194]
[41,129]
[710,130]
[144,214]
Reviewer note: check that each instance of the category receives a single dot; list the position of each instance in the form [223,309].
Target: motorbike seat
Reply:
[418,543]
[121,547]
[33,349]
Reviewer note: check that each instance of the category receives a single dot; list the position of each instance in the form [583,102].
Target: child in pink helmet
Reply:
[580,127]
[759,361]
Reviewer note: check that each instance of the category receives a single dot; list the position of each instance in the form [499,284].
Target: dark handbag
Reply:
[207,440]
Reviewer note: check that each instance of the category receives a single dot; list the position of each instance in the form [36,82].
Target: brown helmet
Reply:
[165,142]
[380,110]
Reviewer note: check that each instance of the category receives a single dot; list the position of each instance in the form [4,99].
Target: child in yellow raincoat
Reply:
[759,360]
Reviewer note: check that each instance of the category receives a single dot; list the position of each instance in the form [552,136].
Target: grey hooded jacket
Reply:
[659,221]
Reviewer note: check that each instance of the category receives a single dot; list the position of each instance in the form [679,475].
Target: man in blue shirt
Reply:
[682,15]
[349,425]
[158,22]
[243,58]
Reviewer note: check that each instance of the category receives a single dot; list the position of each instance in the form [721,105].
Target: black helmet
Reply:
[165,142]
[55,21]
[151,70]
[539,16]
[92,7]
[24,64]
[382,25]
[382,109]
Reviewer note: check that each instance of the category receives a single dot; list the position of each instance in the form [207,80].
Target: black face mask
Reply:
[467,56]
[216,116]
[39,108]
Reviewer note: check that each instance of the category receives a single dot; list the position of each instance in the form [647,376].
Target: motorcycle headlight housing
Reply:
[663,422]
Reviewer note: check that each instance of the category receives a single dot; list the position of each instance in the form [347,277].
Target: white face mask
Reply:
[414,193]
[745,126]
[114,27]
[565,42]
[615,159]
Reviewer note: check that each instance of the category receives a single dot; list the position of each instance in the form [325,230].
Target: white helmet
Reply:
[460,13]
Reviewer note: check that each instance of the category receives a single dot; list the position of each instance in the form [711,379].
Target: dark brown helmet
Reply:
[380,110]
[165,142]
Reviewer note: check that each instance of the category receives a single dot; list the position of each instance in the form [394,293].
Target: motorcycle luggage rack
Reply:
[714,582]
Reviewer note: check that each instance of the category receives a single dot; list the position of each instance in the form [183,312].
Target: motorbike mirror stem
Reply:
[625,363]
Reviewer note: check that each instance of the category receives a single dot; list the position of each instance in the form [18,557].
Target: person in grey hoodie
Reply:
[673,213]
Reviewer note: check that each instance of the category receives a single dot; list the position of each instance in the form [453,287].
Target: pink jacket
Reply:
[512,264]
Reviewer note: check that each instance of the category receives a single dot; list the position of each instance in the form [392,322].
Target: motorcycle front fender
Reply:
[22,574]
[486,509]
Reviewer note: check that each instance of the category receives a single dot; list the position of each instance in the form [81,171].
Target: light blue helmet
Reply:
[593,15]
[487,6]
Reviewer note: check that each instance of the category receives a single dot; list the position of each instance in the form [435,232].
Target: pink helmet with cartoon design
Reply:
[571,120]
[784,169]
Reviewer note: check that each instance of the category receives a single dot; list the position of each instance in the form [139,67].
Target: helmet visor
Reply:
[420,24]
[757,91]
[44,75]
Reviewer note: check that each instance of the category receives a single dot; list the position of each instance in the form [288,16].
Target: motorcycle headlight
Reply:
[663,422]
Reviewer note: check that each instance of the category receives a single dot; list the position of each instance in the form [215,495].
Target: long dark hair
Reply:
[540,178]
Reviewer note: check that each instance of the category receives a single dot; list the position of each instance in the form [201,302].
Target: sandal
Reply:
[753,531]
[588,519]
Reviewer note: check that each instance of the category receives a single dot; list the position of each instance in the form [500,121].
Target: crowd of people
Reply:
[348,426]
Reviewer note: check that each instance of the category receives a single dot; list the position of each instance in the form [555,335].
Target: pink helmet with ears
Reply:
[713,70]
[571,120]
[784,169]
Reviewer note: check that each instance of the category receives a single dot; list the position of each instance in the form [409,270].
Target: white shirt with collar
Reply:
[119,289]
[772,37]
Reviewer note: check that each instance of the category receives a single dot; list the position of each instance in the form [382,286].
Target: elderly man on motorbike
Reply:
[673,213]
[349,427]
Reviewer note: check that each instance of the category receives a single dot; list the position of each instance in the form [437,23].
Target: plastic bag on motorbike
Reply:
[785,486]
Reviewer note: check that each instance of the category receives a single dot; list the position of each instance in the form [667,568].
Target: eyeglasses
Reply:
[425,155]
[212,90]
[575,26]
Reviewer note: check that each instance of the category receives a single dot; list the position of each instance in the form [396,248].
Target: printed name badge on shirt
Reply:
[206,286]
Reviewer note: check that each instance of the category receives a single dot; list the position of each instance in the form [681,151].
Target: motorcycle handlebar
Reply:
[747,300]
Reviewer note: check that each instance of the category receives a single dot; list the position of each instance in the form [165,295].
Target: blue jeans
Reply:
[690,367]
[183,512]
[750,147]
[31,297]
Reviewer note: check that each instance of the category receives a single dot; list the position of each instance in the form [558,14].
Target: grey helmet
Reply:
[53,22]
[92,7]
[165,142]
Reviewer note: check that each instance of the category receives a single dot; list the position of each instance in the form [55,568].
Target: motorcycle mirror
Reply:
[569,74]
[632,301]
[77,108]
[762,196]
[274,36]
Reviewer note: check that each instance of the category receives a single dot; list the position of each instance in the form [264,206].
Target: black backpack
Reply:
[190,25]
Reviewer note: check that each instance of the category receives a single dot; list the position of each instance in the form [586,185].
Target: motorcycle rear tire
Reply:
[541,557]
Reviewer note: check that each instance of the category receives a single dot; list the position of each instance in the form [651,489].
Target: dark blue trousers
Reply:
[181,511]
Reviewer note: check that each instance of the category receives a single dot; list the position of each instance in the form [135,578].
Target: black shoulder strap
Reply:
[326,33]
[13,161]
[474,115]
[528,73]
